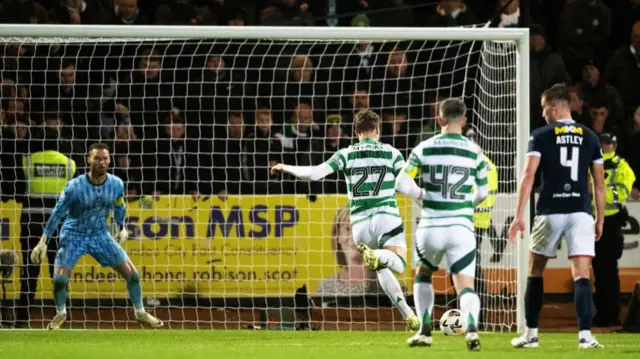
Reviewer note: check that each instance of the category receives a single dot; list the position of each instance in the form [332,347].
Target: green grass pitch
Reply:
[191,344]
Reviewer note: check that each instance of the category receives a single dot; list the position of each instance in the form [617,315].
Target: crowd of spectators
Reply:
[210,117]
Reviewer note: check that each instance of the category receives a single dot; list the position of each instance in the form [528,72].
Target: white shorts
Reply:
[577,228]
[456,243]
[380,231]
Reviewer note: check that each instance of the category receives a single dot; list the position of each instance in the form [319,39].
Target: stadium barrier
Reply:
[268,246]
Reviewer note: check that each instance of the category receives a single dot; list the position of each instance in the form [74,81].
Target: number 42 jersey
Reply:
[567,150]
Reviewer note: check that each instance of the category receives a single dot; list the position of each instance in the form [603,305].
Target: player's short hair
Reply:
[99,146]
[557,92]
[366,121]
[452,110]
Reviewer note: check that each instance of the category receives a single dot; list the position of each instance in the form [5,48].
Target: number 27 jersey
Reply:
[567,150]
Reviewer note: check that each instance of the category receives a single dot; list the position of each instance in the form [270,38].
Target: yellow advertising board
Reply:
[241,247]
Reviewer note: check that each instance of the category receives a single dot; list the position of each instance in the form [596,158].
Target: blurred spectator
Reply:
[264,151]
[128,13]
[578,111]
[632,152]
[510,16]
[625,13]
[89,12]
[547,69]
[67,92]
[23,12]
[334,140]
[394,130]
[356,100]
[183,12]
[596,91]
[232,15]
[231,174]
[397,87]
[145,96]
[173,167]
[623,71]
[127,153]
[450,13]
[429,125]
[585,26]
[600,122]
[286,13]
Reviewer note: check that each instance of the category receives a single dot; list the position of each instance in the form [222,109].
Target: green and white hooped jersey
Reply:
[370,169]
[451,165]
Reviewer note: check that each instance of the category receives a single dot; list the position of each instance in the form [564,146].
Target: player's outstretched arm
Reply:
[59,211]
[406,173]
[407,186]
[524,192]
[312,173]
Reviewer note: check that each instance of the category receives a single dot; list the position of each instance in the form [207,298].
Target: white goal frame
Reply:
[519,35]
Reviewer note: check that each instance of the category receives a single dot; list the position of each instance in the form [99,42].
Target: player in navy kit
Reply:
[85,204]
[565,151]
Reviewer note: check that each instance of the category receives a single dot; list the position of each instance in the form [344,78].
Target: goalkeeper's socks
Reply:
[470,307]
[533,301]
[390,260]
[135,292]
[60,292]
[583,299]
[391,286]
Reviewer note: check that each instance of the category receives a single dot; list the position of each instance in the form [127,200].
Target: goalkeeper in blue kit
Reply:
[85,205]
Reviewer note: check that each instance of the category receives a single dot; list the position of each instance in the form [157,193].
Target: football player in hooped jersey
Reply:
[370,169]
[565,151]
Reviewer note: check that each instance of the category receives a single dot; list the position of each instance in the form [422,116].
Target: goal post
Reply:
[489,67]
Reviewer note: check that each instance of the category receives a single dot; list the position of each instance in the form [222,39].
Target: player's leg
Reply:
[429,248]
[69,252]
[109,254]
[393,259]
[545,234]
[389,250]
[461,263]
[581,249]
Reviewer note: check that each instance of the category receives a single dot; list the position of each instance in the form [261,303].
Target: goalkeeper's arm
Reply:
[313,173]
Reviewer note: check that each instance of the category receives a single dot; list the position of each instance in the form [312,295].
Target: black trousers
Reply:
[605,270]
[31,229]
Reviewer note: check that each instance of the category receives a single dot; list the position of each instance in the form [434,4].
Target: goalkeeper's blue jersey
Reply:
[85,207]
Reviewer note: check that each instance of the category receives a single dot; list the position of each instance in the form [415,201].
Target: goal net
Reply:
[194,121]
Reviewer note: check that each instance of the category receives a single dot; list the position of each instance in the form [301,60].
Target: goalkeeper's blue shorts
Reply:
[101,247]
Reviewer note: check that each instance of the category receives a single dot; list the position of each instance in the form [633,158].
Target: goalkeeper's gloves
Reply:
[122,235]
[39,252]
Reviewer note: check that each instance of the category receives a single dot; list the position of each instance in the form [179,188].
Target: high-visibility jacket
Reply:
[46,173]
[482,214]
[618,181]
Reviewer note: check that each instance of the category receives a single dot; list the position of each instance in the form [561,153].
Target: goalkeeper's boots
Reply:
[589,344]
[145,317]
[368,256]
[423,338]
[524,342]
[57,321]
[473,339]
